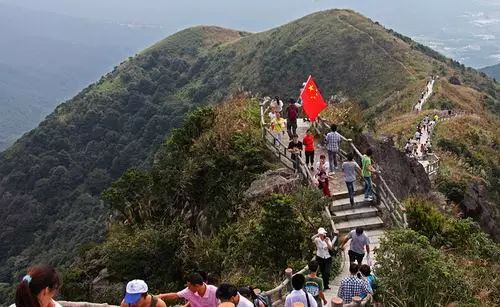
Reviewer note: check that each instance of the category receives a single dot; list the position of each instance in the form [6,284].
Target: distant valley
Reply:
[50,57]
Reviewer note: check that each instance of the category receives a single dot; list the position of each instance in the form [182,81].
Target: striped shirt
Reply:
[332,141]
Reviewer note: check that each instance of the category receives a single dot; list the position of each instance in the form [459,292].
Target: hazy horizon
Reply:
[467,30]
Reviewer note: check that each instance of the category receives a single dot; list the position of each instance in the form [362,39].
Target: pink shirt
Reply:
[195,300]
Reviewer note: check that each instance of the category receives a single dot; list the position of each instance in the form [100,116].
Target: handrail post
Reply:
[357,301]
[289,274]
[337,302]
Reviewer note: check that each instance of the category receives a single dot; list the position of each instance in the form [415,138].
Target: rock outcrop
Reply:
[280,180]
[477,206]
[405,176]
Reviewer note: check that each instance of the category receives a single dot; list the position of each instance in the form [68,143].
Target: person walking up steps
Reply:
[366,171]
[314,284]
[298,295]
[350,168]
[333,145]
[308,142]
[323,247]
[292,112]
[278,126]
[295,147]
[359,241]
[352,286]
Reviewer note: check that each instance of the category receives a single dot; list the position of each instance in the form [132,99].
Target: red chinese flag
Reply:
[312,101]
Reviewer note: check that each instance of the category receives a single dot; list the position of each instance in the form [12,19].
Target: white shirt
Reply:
[244,302]
[322,248]
[56,304]
[299,296]
[325,167]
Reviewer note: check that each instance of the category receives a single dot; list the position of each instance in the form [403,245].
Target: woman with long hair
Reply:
[38,288]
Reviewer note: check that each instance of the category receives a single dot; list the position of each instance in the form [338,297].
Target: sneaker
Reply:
[370,198]
[331,173]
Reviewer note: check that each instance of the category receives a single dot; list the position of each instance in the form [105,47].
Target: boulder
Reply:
[404,176]
[477,206]
[280,180]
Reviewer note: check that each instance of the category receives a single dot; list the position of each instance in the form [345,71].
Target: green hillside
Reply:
[52,177]
[492,71]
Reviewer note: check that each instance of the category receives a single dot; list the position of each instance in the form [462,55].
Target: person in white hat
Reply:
[323,247]
[137,296]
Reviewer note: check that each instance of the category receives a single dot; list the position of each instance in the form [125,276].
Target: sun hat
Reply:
[135,288]
[322,231]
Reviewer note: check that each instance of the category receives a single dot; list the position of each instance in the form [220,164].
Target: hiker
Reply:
[366,273]
[278,126]
[352,286]
[136,294]
[229,293]
[359,241]
[322,165]
[324,183]
[277,104]
[323,248]
[38,288]
[308,142]
[298,295]
[292,113]
[333,146]
[295,147]
[197,293]
[254,296]
[366,171]
[350,168]
[408,147]
[272,113]
[314,284]
[417,135]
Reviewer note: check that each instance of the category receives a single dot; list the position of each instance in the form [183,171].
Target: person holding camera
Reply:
[323,247]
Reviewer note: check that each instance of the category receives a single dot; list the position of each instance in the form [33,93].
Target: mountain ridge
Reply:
[52,177]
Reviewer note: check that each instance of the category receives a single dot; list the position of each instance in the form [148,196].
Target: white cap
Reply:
[322,231]
[134,290]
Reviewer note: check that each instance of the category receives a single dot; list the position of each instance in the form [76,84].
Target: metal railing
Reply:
[383,193]
[277,294]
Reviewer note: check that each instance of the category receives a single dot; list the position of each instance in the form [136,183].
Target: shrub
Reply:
[413,273]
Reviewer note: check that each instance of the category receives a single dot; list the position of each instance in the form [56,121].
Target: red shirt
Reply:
[308,143]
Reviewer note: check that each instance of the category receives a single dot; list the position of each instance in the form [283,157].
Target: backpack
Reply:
[262,299]
[292,112]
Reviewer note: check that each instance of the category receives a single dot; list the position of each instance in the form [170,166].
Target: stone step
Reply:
[354,213]
[368,223]
[343,194]
[344,204]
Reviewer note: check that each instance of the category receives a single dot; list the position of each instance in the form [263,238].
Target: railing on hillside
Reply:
[281,151]
[384,194]
[277,295]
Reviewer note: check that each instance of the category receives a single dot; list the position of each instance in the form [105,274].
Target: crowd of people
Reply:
[419,145]
[425,94]
[324,169]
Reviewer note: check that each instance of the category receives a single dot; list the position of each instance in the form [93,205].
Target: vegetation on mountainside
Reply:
[439,261]
[188,213]
[51,178]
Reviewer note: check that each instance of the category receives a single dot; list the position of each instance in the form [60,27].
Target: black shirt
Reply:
[293,145]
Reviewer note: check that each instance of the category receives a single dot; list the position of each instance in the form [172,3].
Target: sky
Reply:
[467,30]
